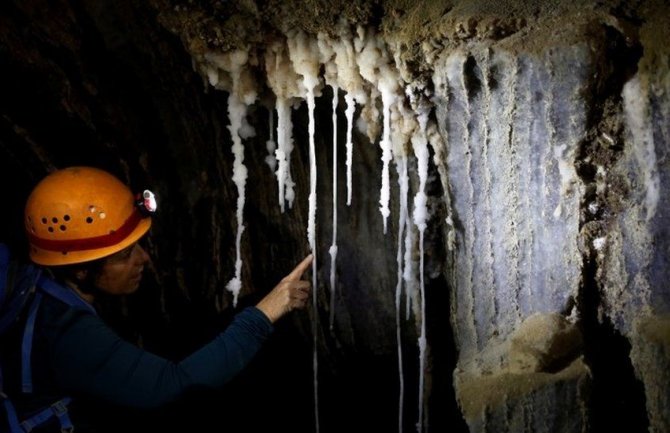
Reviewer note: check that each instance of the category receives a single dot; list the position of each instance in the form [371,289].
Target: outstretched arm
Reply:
[91,359]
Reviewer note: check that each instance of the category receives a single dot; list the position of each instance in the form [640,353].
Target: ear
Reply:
[80,275]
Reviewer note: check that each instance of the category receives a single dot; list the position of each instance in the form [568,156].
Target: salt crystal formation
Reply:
[535,186]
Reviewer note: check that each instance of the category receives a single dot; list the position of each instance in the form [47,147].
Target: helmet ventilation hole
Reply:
[66,217]
[54,220]
[51,229]
[63,228]
[44,220]
[89,220]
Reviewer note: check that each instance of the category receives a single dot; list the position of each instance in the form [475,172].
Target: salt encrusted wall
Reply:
[513,128]
[635,260]
[514,124]
[545,255]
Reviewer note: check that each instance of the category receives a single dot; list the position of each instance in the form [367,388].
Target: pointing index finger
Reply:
[297,272]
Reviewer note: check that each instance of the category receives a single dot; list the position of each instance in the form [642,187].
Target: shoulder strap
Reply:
[12,418]
[19,296]
[27,346]
[63,294]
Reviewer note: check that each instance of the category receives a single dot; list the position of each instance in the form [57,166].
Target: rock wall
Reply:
[535,298]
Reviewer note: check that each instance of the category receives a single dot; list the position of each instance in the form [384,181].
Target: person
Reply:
[83,227]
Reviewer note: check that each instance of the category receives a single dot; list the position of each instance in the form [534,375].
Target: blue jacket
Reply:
[76,354]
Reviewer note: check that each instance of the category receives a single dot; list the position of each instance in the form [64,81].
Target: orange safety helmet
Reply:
[80,214]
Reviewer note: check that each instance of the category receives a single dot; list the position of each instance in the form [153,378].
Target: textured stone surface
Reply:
[548,217]
[651,357]
[517,385]
[544,342]
[526,401]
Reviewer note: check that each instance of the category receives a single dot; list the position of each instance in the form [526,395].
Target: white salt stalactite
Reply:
[311,235]
[403,182]
[236,112]
[349,113]
[271,144]
[404,127]
[387,155]
[420,145]
[327,56]
[285,84]
[304,55]
[374,67]
[311,229]
[242,93]
[333,247]
[409,275]
[350,80]
[283,153]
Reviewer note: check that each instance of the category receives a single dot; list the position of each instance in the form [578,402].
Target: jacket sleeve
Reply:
[91,359]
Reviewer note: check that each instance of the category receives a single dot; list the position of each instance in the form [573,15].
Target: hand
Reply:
[292,292]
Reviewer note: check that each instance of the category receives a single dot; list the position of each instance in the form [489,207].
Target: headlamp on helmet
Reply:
[146,203]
